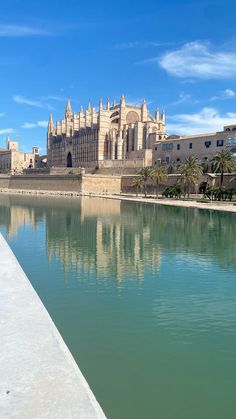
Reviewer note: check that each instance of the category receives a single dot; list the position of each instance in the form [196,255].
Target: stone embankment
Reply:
[215,206]
[39,377]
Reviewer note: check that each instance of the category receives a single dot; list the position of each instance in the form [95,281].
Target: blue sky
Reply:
[179,55]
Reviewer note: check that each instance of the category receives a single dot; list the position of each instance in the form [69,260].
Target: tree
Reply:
[223,163]
[145,175]
[137,184]
[158,175]
[190,171]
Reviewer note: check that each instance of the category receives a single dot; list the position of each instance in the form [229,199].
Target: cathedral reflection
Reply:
[97,237]
[120,240]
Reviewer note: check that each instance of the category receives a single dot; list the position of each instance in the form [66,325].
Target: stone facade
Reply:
[204,146]
[14,161]
[113,133]
[97,184]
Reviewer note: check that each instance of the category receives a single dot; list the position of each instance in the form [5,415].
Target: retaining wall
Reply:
[68,183]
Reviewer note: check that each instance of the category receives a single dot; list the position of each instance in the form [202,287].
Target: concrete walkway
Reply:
[38,375]
[216,206]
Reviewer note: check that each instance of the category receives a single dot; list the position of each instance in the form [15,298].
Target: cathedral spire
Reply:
[89,106]
[108,104]
[144,111]
[50,123]
[69,111]
[163,117]
[157,116]
[122,100]
[100,104]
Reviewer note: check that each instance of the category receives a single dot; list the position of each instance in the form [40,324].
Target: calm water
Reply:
[144,296]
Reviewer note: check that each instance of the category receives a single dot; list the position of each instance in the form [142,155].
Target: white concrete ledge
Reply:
[38,376]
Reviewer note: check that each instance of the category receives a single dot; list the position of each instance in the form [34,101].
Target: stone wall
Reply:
[101,184]
[4,181]
[71,183]
[95,184]
[127,181]
[47,183]
[54,171]
[111,164]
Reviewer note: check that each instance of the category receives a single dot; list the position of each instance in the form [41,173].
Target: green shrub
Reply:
[219,193]
[174,191]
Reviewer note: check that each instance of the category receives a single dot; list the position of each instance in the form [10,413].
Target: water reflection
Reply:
[173,337]
[121,239]
[90,235]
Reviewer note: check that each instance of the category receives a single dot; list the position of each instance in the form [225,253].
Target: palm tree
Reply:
[190,171]
[137,184]
[223,163]
[158,175]
[145,174]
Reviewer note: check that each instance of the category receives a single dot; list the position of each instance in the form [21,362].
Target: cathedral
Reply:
[112,136]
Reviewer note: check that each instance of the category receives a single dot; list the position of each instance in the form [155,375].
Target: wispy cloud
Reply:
[143,44]
[199,60]
[207,120]
[31,102]
[224,95]
[54,97]
[24,101]
[39,124]
[6,131]
[147,61]
[2,114]
[15,31]
[184,98]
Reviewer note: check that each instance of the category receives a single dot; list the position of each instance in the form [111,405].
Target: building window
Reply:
[167,146]
[178,159]
[167,159]
[207,144]
[191,145]
[220,143]
[178,146]
[155,148]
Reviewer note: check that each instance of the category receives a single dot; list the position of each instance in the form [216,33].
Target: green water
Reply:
[143,295]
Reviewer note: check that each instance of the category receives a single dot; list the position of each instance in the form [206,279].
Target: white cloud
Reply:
[207,120]
[35,103]
[20,31]
[42,124]
[185,98]
[224,95]
[53,97]
[199,60]
[6,131]
[29,125]
[24,101]
[2,114]
[142,44]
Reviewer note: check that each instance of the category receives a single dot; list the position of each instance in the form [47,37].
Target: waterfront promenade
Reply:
[39,377]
